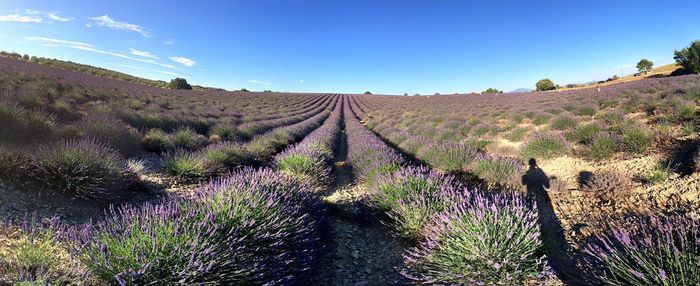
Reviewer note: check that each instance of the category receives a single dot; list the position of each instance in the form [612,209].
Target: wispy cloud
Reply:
[259,82]
[51,42]
[169,42]
[20,18]
[144,54]
[51,15]
[184,61]
[106,21]
[301,81]
[168,73]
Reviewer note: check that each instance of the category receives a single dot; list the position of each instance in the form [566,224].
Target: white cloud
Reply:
[51,42]
[169,73]
[106,21]
[51,15]
[259,82]
[184,61]
[144,54]
[20,19]
[169,42]
[301,81]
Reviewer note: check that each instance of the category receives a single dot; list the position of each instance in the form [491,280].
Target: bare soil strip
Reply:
[361,251]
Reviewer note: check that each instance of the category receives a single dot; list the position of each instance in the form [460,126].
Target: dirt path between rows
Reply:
[361,251]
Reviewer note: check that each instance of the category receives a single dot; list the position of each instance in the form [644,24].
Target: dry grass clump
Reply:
[607,186]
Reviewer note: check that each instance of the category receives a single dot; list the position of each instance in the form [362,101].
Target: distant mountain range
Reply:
[522,90]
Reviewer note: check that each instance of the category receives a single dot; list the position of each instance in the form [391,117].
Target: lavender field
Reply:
[107,182]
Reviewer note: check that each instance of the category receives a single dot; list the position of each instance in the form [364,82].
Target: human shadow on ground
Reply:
[558,251]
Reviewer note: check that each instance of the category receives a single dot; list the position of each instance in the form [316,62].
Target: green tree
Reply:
[179,83]
[689,58]
[492,90]
[367,92]
[644,65]
[544,85]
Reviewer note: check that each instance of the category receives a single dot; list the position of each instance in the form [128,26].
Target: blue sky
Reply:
[351,46]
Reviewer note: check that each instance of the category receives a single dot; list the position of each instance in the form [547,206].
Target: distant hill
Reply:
[522,89]
[660,71]
[92,70]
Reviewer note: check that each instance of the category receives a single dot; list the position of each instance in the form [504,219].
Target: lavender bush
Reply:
[82,168]
[489,240]
[659,251]
[411,196]
[255,227]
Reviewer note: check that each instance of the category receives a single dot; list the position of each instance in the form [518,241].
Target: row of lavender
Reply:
[253,227]
[463,236]
[660,250]
[312,159]
[226,156]
[89,168]
[494,171]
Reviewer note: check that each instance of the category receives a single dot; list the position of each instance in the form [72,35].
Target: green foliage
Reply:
[564,123]
[545,147]
[689,58]
[84,169]
[492,90]
[518,134]
[636,140]
[19,125]
[541,119]
[660,174]
[186,138]
[184,166]
[155,140]
[545,84]
[584,134]
[497,171]
[602,147]
[179,83]
[645,66]
[586,111]
[367,92]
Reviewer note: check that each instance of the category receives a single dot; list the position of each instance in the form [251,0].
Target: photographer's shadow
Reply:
[557,249]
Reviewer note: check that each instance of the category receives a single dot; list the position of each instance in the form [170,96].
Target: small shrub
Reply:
[584,134]
[545,146]
[114,132]
[501,172]
[155,140]
[484,241]
[564,123]
[226,133]
[603,146]
[608,186]
[251,228]
[186,138]
[586,111]
[517,134]
[657,251]
[32,255]
[16,167]
[306,167]
[410,196]
[20,125]
[541,119]
[636,140]
[660,174]
[225,156]
[448,157]
[184,165]
[83,168]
